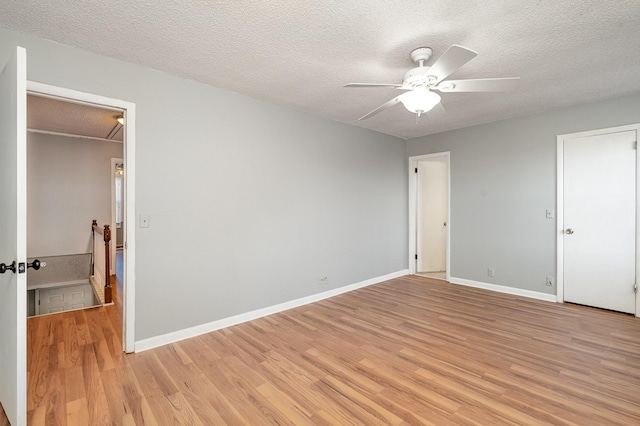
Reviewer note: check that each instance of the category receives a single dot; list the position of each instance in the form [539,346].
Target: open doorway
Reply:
[429,215]
[117,205]
[69,149]
[83,133]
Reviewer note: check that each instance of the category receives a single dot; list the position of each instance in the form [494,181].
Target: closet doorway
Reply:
[429,211]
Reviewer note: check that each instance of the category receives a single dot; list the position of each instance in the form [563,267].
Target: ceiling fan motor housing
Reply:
[418,77]
[421,54]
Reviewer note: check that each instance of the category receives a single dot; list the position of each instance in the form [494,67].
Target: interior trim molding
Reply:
[165,339]
[129,111]
[504,289]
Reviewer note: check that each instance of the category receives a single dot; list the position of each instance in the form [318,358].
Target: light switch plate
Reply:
[144,221]
[550,213]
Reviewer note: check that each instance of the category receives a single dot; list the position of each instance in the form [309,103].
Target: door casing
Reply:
[413,206]
[560,203]
[129,113]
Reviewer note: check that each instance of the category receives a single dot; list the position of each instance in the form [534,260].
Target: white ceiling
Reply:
[300,53]
[66,118]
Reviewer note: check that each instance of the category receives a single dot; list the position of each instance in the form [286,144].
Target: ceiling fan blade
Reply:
[372,85]
[479,85]
[455,57]
[382,107]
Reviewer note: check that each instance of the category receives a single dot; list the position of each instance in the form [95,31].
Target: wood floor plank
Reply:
[407,351]
[54,400]
[72,344]
[285,404]
[99,413]
[182,410]
[78,412]
[38,372]
[193,385]
[114,383]
[139,410]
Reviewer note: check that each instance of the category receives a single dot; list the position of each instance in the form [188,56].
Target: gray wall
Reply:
[250,204]
[68,185]
[503,178]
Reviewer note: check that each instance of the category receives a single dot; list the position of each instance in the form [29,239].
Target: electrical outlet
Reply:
[549,281]
[490,272]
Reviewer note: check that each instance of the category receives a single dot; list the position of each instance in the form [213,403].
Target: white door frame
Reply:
[560,204]
[129,151]
[114,232]
[413,209]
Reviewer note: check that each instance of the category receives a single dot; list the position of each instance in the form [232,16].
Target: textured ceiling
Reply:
[56,116]
[300,53]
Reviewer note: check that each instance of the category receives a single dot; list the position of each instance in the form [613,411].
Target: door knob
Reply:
[36,264]
[4,268]
[569,231]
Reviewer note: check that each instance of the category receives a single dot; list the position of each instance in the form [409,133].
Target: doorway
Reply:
[597,233]
[126,112]
[68,153]
[117,206]
[14,87]
[429,227]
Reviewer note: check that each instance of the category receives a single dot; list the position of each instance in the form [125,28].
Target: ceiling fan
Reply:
[420,83]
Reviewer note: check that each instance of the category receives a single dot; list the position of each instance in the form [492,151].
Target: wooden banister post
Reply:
[94,225]
[108,298]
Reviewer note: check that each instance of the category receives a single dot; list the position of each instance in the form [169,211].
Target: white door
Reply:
[432,215]
[13,241]
[59,299]
[600,220]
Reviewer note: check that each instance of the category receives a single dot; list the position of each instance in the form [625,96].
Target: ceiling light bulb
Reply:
[420,100]
[120,119]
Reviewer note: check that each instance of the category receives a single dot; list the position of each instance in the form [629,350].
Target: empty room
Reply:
[321,213]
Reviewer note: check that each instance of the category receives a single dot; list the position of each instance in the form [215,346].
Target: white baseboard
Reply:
[504,289]
[165,339]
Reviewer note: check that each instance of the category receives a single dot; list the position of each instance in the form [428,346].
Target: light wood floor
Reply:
[440,275]
[408,351]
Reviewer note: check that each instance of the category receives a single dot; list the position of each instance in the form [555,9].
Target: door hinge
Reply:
[635,288]
[635,145]
[416,257]
[416,170]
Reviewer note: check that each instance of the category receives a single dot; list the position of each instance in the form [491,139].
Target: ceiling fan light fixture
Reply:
[419,82]
[420,100]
